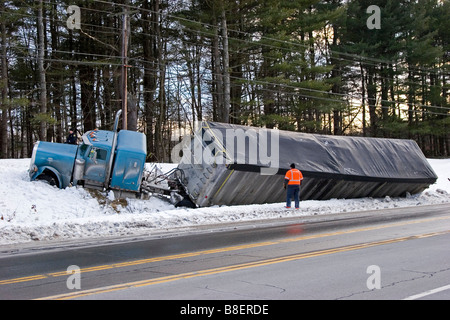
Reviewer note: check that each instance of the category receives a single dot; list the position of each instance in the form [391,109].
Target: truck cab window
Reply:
[101,154]
[98,154]
[82,149]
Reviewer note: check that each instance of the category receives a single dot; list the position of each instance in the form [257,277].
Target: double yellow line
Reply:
[246,265]
[136,262]
[234,248]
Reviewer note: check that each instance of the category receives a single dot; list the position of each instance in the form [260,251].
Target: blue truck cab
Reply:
[112,160]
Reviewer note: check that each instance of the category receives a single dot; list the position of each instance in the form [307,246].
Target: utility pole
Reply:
[125,33]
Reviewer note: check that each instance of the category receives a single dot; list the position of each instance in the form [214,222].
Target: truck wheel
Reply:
[48,179]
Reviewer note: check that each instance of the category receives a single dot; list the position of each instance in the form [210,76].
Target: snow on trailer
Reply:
[225,164]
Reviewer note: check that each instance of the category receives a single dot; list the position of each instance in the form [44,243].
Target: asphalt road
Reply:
[384,254]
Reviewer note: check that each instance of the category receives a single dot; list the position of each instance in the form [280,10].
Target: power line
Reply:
[284,86]
[354,57]
[254,80]
[269,39]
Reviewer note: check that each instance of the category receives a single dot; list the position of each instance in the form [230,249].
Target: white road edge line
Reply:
[427,293]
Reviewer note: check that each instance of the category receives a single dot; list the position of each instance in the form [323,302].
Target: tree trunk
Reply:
[372,100]
[87,74]
[363,101]
[335,73]
[4,90]
[150,20]
[41,68]
[57,78]
[124,77]
[132,113]
[226,71]
[218,79]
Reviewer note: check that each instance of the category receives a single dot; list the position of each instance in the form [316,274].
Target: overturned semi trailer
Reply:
[224,164]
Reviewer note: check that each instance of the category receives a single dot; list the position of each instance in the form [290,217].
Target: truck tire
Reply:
[48,179]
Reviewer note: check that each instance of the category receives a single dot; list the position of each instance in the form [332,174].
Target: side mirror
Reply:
[93,155]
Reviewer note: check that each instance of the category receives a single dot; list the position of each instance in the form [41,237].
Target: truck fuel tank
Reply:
[78,171]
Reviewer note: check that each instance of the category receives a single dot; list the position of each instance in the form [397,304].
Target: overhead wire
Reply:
[375,61]
[283,86]
[269,40]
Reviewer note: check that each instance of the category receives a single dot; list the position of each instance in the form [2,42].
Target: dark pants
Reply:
[293,191]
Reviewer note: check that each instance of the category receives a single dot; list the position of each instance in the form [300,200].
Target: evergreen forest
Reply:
[374,68]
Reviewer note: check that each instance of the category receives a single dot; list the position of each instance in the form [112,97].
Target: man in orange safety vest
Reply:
[292,180]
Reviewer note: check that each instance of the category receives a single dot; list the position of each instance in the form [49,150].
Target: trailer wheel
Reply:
[48,179]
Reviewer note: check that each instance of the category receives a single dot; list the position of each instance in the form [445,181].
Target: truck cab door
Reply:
[95,167]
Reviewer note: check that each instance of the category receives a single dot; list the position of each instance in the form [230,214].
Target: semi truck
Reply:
[105,160]
[225,164]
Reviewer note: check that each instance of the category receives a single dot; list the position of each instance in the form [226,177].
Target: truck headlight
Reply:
[33,157]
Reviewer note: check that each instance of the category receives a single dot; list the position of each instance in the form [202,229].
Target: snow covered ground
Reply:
[35,211]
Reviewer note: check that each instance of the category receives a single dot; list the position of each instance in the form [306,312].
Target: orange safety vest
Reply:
[294,176]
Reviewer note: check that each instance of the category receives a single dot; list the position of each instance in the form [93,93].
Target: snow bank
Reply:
[33,211]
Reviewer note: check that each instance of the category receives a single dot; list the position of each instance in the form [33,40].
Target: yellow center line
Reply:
[194,274]
[23,279]
[218,250]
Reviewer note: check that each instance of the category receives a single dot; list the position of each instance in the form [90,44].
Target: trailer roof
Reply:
[343,155]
